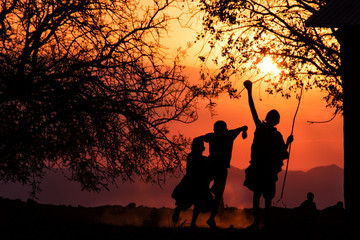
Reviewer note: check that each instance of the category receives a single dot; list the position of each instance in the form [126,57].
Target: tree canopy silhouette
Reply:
[241,33]
[86,85]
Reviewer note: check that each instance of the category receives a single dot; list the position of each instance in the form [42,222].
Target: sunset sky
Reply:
[318,144]
[314,144]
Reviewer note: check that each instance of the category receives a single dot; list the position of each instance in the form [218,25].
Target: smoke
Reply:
[162,217]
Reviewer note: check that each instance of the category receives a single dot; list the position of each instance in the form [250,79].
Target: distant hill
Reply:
[325,182]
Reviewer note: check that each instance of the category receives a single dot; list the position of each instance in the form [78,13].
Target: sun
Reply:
[267,66]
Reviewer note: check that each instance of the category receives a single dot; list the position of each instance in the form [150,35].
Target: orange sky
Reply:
[314,144]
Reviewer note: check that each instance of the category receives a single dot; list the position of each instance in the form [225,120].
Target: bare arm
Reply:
[204,138]
[235,132]
[248,86]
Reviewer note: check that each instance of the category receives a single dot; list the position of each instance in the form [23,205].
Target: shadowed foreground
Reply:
[20,220]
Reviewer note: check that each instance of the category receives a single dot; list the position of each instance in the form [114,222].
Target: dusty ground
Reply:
[30,220]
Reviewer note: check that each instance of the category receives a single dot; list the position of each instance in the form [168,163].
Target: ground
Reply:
[20,220]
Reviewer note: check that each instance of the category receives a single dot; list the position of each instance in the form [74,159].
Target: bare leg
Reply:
[256,206]
[215,208]
[176,215]
[219,183]
[195,216]
[267,212]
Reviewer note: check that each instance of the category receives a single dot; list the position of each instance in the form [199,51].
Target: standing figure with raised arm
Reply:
[267,154]
[220,148]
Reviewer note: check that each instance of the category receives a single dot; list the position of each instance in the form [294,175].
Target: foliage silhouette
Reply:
[86,85]
[246,31]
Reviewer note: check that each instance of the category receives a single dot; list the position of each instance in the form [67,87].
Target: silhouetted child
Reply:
[194,187]
[306,212]
[267,154]
[309,204]
[220,148]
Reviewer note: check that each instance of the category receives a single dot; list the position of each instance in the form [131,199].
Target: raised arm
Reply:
[248,86]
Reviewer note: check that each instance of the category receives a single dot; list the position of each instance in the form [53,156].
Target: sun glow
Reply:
[267,66]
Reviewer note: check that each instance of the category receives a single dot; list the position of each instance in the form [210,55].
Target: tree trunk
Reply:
[350,55]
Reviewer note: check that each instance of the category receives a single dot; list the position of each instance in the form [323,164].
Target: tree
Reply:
[246,31]
[86,85]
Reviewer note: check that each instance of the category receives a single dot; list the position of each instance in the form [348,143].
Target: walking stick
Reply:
[288,159]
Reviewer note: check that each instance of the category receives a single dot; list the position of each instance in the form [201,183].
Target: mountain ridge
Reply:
[326,182]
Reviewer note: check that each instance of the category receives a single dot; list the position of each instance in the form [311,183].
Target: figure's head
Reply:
[220,127]
[272,118]
[310,196]
[197,146]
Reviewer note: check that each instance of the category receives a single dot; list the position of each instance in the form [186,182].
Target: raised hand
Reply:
[290,139]
[248,85]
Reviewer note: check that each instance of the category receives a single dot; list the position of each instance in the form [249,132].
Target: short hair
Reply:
[273,117]
[220,126]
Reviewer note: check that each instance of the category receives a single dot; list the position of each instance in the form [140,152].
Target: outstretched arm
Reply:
[204,138]
[248,86]
[235,132]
